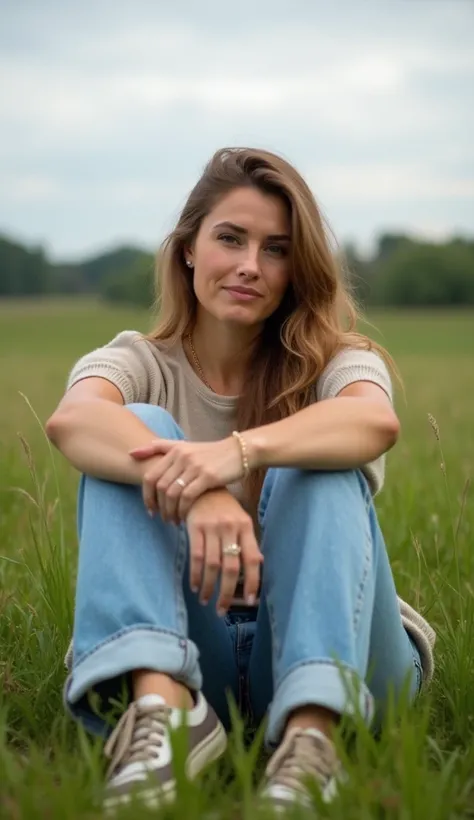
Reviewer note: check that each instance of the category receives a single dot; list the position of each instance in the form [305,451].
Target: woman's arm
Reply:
[341,433]
[351,430]
[95,432]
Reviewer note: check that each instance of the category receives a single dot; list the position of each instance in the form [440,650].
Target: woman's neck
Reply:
[222,352]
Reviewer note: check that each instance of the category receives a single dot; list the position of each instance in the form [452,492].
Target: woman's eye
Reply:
[228,237]
[279,250]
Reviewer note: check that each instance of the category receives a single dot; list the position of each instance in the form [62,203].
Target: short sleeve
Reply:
[347,367]
[353,365]
[127,362]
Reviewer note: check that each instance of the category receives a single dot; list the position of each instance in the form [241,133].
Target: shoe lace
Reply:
[138,735]
[301,756]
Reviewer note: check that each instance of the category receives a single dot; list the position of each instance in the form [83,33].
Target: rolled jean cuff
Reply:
[134,648]
[318,683]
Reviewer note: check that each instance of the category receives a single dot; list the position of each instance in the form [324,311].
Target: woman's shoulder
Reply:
[135,344]
[128,339]
[351,364]
[128,360]
[349,354]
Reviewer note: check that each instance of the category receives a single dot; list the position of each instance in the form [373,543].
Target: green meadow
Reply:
[422,765]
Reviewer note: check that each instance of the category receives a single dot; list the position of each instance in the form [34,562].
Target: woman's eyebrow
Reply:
[280,237]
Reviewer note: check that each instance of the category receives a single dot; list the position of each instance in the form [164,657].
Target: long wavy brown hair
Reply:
[317,316]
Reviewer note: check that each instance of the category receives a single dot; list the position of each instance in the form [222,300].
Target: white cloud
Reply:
[380,183]
[110,110]
[30,188]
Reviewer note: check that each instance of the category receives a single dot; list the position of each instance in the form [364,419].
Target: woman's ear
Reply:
[188,257]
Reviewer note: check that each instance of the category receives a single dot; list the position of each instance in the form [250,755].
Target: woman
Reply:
[228,539]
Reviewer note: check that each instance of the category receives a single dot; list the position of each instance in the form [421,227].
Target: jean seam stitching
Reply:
[264,499]
[419,674]
[238,646]
[362,583]
[275,644]
[180,560]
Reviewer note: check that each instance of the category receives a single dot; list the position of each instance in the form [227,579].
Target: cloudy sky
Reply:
[110,108]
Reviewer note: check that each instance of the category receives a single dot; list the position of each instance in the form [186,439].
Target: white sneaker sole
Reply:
[208,751]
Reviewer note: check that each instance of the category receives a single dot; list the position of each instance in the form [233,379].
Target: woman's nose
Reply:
[250,263]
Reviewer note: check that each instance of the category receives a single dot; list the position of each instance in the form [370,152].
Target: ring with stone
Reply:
[232,549]
[180,482]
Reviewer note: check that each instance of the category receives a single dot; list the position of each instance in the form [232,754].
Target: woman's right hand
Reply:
[216,520]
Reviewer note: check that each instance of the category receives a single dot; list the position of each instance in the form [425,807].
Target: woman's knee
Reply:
[331,480]
[159,420]
[329,488]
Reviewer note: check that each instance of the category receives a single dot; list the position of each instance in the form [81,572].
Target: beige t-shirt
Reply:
[156,374]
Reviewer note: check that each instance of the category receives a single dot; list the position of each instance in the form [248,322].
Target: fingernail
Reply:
[195,590]
[150,513]
[221,611]
[204,601]
[251,600]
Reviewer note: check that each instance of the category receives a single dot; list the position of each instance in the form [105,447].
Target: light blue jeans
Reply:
[327,631]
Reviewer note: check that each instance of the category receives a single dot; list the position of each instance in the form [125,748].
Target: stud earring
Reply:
[189,263]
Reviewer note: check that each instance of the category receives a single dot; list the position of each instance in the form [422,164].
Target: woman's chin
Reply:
[243,320]
[239,315]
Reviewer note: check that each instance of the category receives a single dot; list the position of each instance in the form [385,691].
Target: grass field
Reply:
[423,765]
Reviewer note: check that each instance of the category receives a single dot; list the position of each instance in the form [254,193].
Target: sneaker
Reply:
[140,752]
[304,754]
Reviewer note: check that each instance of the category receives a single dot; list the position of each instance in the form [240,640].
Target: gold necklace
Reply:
[198,363]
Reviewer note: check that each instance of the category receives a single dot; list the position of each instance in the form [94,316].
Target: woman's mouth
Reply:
[243,294]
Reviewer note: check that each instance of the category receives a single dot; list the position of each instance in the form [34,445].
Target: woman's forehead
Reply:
[251,210]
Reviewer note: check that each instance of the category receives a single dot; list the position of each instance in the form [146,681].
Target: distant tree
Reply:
[133,284]
[23,271]
[69,279]
[403,271]
[389,244]
[114,263]
[422,274]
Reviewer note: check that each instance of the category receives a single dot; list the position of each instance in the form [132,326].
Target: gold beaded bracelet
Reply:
[243,450]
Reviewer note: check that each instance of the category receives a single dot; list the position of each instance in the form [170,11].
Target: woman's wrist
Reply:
[242,445]
[251,442]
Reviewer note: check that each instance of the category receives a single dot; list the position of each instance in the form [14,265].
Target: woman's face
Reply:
[241,257]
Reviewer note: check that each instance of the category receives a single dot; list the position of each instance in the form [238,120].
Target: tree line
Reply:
[402,271]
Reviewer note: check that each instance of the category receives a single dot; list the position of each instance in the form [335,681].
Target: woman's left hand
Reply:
[199,466]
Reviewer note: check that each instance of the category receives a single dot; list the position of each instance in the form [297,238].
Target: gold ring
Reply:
[232,549]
